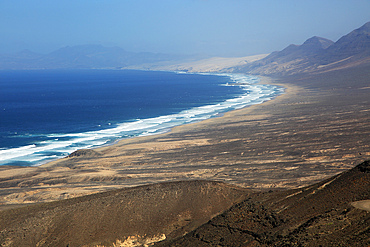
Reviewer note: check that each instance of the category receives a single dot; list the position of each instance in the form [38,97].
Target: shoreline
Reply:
[264,80]
[249,95]
[308,133]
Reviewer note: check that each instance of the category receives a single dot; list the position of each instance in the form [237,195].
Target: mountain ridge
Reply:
[318,215]
[83,57]
[151,212]
[200,213]
[316,55]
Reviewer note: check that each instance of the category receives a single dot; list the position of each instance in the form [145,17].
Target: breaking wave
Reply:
[59,145]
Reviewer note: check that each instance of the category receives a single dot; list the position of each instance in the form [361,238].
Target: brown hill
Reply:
[312,46]
[315,55]
[141,214]
[292,58]
[356,43]
[317,215]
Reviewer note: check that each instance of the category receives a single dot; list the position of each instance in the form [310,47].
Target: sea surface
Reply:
[48,114]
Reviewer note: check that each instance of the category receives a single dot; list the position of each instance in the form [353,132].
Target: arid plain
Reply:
[292,171]
[316,129]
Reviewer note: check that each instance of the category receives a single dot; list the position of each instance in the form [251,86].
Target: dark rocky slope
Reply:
[141,214]
[317,215]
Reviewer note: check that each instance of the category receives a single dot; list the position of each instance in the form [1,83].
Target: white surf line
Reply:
[253,94]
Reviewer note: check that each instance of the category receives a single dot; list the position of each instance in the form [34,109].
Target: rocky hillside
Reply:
[132,216]
[315,55]
[317,215]
[329,213]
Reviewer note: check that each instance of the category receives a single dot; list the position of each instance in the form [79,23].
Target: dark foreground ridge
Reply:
[317,215]
[133,215]
[176,213]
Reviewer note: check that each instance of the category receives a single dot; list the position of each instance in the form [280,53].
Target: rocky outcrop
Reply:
[128,216]
[317,215]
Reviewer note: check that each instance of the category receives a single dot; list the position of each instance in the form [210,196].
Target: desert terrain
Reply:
[316,129]
[292,171]
[213,64]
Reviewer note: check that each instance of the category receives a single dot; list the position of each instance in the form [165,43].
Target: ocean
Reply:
[48,114]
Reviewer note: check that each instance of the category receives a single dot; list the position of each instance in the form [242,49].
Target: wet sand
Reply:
[317,129]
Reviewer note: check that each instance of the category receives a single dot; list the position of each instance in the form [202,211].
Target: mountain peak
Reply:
[316,53]
[317,43]
[364,29]
[356,42]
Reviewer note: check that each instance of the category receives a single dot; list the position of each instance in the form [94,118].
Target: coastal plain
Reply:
[316,129]
[292,171]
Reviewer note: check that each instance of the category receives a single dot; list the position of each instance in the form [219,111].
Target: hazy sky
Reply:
[214,27]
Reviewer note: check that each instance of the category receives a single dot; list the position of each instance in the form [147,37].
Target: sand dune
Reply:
[214,64]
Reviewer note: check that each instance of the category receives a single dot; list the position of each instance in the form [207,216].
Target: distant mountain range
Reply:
[315,54]
[82,57]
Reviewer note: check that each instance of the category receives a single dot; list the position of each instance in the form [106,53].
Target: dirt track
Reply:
[364,205]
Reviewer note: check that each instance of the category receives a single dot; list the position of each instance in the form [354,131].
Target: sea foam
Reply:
[61,145]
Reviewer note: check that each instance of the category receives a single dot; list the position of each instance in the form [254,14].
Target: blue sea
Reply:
[48,114]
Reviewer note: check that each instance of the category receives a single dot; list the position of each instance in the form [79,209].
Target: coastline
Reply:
[188,126]
[282,143]
[148,140]
[179,128]
[238,91]
[182,127]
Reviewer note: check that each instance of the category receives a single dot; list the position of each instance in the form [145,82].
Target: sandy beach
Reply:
[316,129]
